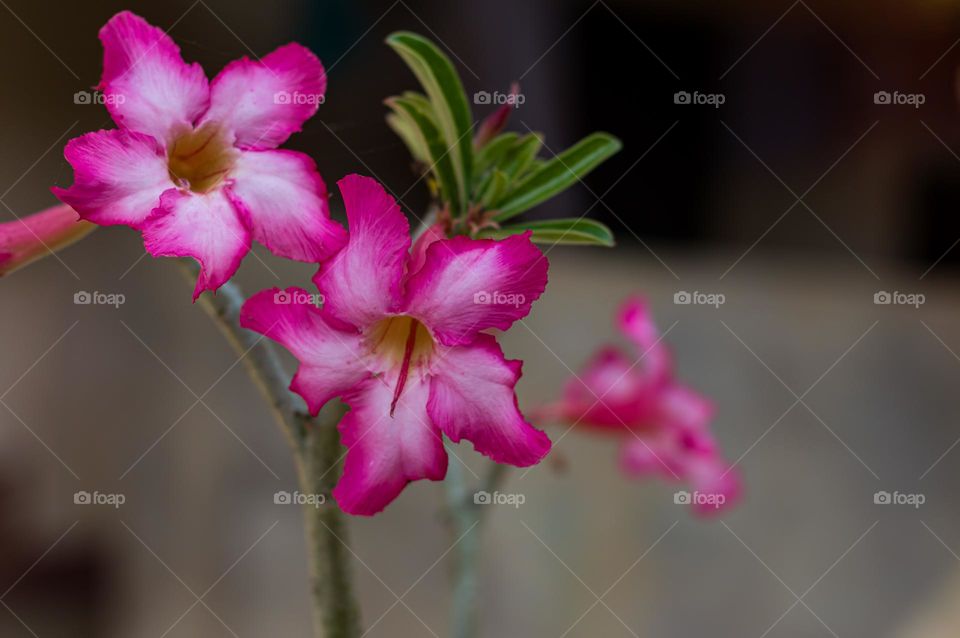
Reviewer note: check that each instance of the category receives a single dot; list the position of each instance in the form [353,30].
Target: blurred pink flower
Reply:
[193,165]
[664,426]
[399,340]
[34,236]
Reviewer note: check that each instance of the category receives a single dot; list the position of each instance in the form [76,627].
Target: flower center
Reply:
[403,342]
[200,158]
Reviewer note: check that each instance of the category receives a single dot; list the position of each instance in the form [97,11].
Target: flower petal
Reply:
[386,452]
[418,255]
[266,101]
[469,285]
[285,203]
[472,397]
[361,283]
[118,177]
[205,227]
[635,321]
[331,362]
[719,482]
[146,84]
[612,392]
[35,236]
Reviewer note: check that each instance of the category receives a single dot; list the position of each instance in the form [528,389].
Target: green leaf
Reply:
[493,153]
[438,154]
[571,232]
[405,129]
[558,174]
[496,188]
[522,155]
[445,91]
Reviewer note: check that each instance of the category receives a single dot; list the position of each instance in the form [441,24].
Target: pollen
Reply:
[402,342]
[201,158]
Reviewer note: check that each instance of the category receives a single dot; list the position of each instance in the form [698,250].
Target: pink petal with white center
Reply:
[285,203]
[203,226]
[266,101]
[146,84]
[386,452]
[331,358]
[469,285]
[472,397]
[118,177]
[361,283]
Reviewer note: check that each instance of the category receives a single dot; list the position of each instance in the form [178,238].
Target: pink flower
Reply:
[193,165]
[34,236]
[399,339]
[663,425]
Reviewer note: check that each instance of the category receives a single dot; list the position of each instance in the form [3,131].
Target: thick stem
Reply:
[317,451]
[335,613]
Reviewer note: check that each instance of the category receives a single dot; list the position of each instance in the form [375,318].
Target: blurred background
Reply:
[799,198]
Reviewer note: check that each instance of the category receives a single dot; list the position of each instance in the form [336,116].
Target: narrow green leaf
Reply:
[494,152]
[558,174]
[495,190]
[571,232]
[442,85]
[404,129]
[522,155]
[438,154]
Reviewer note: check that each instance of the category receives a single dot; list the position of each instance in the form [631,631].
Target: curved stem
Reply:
[317,452]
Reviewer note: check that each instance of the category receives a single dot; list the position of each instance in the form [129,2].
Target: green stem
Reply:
[317,451]
[335,613]
[465,515]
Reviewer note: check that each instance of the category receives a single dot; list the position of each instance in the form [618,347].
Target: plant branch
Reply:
[317,452]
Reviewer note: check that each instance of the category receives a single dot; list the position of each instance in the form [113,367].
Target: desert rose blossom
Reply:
[663,425]
[29,238]
[400,339]
[193,164]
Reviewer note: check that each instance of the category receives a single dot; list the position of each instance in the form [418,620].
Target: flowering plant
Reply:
[396,349]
